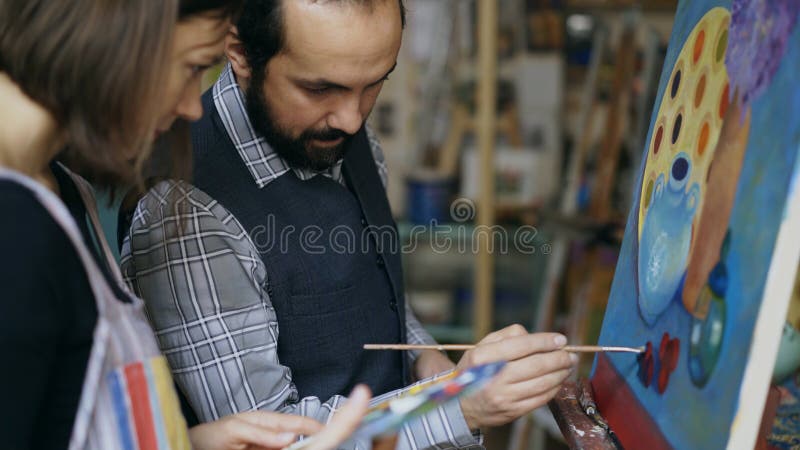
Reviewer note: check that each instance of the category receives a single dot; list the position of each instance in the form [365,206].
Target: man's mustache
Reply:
[328,134]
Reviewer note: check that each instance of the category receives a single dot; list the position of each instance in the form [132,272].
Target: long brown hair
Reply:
[98,68]
[172,154]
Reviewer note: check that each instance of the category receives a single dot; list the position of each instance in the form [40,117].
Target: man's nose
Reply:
[347,116]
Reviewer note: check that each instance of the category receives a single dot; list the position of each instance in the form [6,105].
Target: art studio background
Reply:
[547,170]
[513,144]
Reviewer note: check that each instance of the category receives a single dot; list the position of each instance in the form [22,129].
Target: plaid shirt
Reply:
[205,287]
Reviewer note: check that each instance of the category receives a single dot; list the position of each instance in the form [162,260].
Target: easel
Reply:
[463,122]
[574,410]
[584,427]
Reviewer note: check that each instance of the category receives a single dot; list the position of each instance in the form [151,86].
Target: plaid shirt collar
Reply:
[261,160]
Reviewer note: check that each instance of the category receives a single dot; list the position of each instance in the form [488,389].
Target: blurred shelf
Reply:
[460,232]
[451,334]
[649,5]
[442,258]
[444,230]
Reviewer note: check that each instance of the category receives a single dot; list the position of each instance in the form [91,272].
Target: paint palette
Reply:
[389,415]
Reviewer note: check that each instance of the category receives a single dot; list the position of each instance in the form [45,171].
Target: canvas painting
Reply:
[711,245]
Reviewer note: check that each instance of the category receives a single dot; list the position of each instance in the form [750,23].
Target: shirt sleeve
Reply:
[205,288]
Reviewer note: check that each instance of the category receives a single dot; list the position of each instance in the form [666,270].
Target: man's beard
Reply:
[298,152]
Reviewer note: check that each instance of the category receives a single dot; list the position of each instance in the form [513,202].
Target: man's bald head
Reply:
[262,25]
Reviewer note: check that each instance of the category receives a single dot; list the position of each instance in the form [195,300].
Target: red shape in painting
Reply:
[657,142]
[647,365]
[617,403]
[668,353]
[662,348]
[673,351]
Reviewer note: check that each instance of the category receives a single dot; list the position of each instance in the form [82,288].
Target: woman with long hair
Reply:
[85,87]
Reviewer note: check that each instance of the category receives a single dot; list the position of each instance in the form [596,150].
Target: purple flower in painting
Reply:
[759,33]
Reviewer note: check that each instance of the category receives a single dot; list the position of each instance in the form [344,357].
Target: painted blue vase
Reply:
[708,321]
[707,334]
[666,235]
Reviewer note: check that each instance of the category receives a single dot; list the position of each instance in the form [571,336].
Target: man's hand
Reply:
[271,430]
[430,363]
[535,370]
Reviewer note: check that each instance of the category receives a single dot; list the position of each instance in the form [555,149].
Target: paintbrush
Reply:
[568,348]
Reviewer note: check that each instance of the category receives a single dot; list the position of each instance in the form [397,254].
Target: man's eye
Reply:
[379,82]
[318,90]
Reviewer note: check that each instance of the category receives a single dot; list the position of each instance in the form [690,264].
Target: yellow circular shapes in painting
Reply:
[688,110]
[700,91]
[702,139]
[722,44]
[718,43]
[724,100]
[648,193]
[699,42]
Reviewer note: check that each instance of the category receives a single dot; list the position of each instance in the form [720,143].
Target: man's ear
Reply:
[234,50]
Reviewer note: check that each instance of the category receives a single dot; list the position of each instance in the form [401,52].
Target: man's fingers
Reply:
[538,386]
[344,422]
[539,364]
[528,405]
[507,332]
[536,368]
[515,347]
[499,394]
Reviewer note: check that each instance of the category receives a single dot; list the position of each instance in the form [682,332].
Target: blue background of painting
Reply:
[701,418]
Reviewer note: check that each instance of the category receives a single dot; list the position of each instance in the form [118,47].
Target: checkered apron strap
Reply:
[87,195]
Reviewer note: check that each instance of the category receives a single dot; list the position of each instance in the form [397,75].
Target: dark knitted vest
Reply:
[332,259]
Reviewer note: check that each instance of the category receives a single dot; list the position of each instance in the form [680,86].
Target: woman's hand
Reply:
[271,430]
[344,422]
[252,430]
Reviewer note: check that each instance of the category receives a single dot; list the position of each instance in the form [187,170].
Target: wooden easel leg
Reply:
[580,431]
